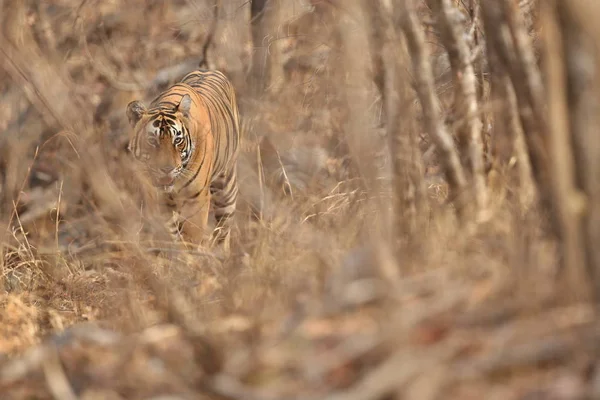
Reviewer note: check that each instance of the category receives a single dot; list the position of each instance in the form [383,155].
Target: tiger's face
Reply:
[161,141]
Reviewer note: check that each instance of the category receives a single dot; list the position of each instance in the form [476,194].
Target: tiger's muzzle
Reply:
[165,177]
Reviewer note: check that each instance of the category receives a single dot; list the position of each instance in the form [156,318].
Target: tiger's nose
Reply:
[167,170]
[165,178]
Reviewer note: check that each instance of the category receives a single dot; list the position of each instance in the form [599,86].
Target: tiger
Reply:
[187,141]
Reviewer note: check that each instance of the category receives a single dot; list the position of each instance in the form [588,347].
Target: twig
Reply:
[183,251]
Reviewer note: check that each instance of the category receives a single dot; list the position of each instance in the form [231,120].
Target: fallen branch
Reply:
[396,372]
[532,352]
[19,368]
[55,376]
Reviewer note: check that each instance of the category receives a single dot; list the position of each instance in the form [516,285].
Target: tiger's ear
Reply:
[135,111]
[185,105]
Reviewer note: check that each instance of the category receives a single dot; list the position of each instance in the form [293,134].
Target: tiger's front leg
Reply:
[194,218]
[173,226]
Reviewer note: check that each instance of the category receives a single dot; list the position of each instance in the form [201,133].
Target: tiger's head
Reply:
[161,141]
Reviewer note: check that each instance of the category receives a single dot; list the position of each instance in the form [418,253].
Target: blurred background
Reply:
[418,217]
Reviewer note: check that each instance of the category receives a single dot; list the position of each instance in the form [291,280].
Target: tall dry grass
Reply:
[417,215]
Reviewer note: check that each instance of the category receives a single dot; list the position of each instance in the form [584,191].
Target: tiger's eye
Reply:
[178,141]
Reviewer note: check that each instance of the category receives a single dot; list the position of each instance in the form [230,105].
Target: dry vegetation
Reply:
[419,217]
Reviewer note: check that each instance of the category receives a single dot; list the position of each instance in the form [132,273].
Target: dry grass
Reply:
[317,299]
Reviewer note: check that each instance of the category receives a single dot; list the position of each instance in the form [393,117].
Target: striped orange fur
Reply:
[188,140]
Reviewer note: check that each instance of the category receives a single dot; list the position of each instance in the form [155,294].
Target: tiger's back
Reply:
[220,99]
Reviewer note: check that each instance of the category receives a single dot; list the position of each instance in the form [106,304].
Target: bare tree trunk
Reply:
[267,68]
[470,135]
[231,39]
[210,34]
[507,38]
[567,198]
[481,67]
[508,145]
[525,183]
[578,23]
[355,78]
[410,203]
[434,124]
[475,33]
[380,18]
